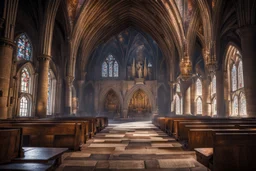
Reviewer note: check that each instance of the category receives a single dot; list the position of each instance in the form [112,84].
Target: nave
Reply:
[131,146]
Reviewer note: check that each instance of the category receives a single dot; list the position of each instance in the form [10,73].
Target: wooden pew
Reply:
[66,135]
[10,144]
[234,151]
[182,129]
[203,138]
[15,157]
[202,141]
[92,122]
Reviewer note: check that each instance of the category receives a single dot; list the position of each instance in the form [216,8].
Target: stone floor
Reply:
[131,146]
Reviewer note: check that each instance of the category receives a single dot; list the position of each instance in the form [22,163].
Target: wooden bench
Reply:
[203,138]
[36,159]
[234,151]
[91,121]
[66,135]
[206,153]
[204,156]
[10,144]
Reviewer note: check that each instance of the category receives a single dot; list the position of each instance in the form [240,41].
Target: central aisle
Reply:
[130,146]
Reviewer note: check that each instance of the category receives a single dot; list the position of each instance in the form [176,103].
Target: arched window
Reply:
[24,109]
[213,85]
[242,105]
[214,106]
[234,78]
[235,106]
[51,93]
[25,91]
[24,48]
[178,88]
[178,105]
[115,69]
[198,87]
[199,107]
[25,80]
[110,67]
[240,75]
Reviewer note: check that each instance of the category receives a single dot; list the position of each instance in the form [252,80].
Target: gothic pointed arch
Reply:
[25,90]
[51,93]
[234,67]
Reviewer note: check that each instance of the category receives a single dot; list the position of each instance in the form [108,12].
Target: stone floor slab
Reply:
[126,164]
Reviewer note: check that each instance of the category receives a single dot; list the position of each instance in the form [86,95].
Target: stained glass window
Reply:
[23,106]
[242,106]
[177,105]
[198,87]
[177,87]
[199,109]
[214,106]
[25,79]
[213,87]
[104,69]
[235,106]
[110,67]
[24,48]
[234,78]
[240,75]
[115,69]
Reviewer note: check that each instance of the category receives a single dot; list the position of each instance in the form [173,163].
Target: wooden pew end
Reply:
[204,156]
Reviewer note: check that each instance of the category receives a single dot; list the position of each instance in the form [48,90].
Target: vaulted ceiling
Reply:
[100,20]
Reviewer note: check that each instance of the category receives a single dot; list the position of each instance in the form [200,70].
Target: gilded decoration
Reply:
[111,102]
[139,104]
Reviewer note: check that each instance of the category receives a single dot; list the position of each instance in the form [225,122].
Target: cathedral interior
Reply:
[127,84]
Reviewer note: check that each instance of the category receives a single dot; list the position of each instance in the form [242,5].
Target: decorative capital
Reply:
[7,42]
[185,68]
[69,80]
[44,57]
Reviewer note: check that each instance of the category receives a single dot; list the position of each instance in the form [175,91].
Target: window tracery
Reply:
[24,48]
[110,67]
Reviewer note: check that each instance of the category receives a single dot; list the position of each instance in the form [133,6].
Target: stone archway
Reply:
[130,94]
[109,94]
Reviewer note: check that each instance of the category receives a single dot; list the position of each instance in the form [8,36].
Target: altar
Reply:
[139,105]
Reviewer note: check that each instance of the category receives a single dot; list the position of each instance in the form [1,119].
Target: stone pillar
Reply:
[248,42]
[6,53]
[42,90]
[220,94]
[80,95]
[68,101]
[125,113]
[187,102]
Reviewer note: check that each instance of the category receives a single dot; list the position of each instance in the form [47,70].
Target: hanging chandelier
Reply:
[185,68]
[211,62]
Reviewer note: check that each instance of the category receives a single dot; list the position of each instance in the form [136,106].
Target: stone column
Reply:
[68,102]
[248,42]
[187,102]
[80,95]
[6,53]
[220,94]
[42,90]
